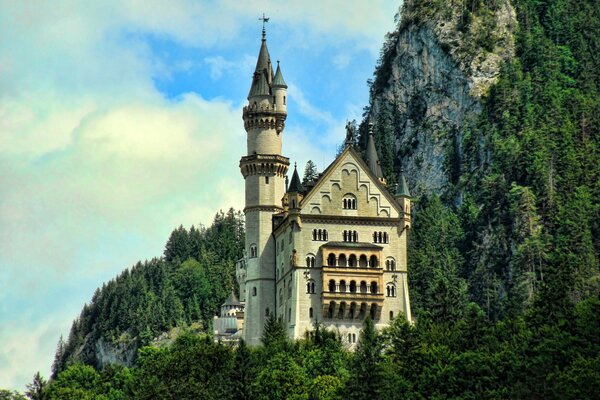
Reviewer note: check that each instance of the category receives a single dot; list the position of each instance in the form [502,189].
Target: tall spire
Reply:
[278,79]
[402,187]
[295,184]
[372,157]
[263,66]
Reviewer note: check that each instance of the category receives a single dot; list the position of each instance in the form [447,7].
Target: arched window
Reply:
[325,235]
[253,251]
[343,286]
[345,236]
[331,285]
[320,234]
[355,237]
[354,338]
[266,180]
[374,287]
[352,261]
[310,312]
[373,311]
[310,287]
[349,338]
[362,261]
[310,261]
[363,287]
[391,315]
[374,237]
[373,262]
[314,234]
[284,100]
[331,309]
[331,260]
[254,291]
[289,315]
[391,290]
[379,237]
[385,237]
[342,260]
[349,202]
[352,286]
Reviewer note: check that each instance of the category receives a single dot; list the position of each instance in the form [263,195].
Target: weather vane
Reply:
[264,20]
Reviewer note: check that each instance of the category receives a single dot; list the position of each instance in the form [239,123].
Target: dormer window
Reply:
[349,202]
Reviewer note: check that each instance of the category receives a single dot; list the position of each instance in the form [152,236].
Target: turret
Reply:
[373,158]
[280,91]
[264,170]
[403,197]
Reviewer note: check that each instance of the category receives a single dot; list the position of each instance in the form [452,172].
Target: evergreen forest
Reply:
[503,264]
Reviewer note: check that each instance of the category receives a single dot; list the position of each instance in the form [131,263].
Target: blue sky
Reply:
[120,120]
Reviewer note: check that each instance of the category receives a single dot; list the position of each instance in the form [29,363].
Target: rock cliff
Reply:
[433,72]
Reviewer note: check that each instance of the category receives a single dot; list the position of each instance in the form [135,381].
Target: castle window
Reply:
[331,286]
[310,261]
[289,314]
[391,315]
[267,180]
[310,287]
[254,291]
[349,202]
[284,100]
[320,235]
[331,309]
[373,311]
[267,312]
[380,237]
[343,286]
[363,287]
[253,251]
[352,287]
[391,290]
[331,260]
[374,287]
[310,312]
[373,262]
[352,261]
[390,264]
[342,260]
[350,236]
[354,338]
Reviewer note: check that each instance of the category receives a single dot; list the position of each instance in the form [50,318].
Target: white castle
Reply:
[333,251]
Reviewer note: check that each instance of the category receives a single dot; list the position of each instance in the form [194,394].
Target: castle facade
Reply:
[333,251]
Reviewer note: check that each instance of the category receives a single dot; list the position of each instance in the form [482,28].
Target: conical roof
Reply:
[232,300]
[259,87]
[402,188]
[373,158]
[295,184]
[278,80]
[263,73]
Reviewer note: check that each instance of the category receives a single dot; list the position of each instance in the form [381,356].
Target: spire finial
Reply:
[264,20]
[295,165]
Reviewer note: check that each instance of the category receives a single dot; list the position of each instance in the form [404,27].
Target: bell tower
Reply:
[264,170]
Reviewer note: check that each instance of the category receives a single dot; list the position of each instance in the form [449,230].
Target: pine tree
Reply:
[364,370]
[310,173]
[35,389]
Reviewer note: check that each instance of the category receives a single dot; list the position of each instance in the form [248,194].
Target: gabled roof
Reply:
[329,170]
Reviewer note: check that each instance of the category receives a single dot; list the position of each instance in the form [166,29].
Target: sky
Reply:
[121,120]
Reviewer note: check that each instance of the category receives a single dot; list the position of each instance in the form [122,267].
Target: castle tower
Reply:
[264,170]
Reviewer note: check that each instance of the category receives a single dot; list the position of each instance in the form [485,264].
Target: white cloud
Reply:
[97,166]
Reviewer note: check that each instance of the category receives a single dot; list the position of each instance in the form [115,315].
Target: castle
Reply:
[333,251]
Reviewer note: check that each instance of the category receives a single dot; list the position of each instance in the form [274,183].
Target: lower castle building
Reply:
[333,251]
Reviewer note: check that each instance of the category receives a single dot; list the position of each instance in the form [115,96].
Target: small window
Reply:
[267,180]
[253,251]
[391,290]
[254,291]
[349,202]
[354,338]
[310,312]
[267,312]
[289,314]
[284,100]
[391,315]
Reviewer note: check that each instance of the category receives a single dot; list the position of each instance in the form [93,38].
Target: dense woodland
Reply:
[504,283]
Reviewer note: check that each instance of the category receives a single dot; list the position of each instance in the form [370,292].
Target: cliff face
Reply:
[432,77]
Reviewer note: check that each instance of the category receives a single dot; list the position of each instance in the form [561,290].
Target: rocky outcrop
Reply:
[444,60]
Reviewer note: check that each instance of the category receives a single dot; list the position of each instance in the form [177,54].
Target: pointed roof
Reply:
[278,80]
[402,187]
[295,184]
[232,300]
[263,73]
[373,158]
[325,176]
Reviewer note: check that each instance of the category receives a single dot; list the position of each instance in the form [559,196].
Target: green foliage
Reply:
[310,173]
[10,395]
[187,286]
